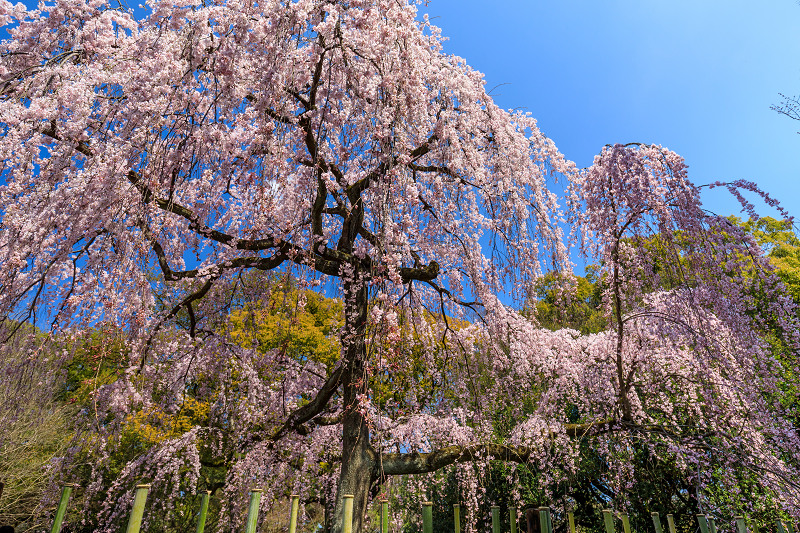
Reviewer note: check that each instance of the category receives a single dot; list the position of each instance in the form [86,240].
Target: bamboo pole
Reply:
[201,518]
[671,523]
[135,520]
[545,521]
[626,524]
[703,521]
[384,516]
[608,520]
[741,525]
[293,513]
[512,518]
[495,519]
[427,517]
[347,526]
[252,511]
[457,518]
[571,520]
[62,507]
[657,523]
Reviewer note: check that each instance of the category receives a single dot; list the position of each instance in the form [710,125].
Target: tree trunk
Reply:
[358,457]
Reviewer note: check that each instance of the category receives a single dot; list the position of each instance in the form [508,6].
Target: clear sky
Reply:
[696,76]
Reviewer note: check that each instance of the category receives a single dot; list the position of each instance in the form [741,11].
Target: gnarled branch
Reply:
[392,464]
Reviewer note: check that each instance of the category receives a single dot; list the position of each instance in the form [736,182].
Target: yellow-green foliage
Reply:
[782,246]
[578,309]
[152,425]
[779,241]
[301,323]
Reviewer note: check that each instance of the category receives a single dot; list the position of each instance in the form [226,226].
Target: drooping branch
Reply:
[392,464]
[306,412]
[283,253]
[318,421]
[195,224]
[361,185]
[187,303]
[325,260]
[81,146]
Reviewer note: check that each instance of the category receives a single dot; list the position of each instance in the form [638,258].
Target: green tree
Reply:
[780,243]
[302,324]
[569,303]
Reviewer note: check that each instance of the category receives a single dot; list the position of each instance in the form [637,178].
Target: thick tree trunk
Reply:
[358,457]
[358,462]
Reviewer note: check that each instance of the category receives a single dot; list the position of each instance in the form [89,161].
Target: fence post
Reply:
[427,517]
[703,521]
[530,519]
[495,519]
[252,510]
[790,526]
[671,523]
[712,525]
[571,520]
[512,518]
[608,520]
[457,518]
[135,520]
[384,516]
[62,507]
[293,513]
[201,519]
[347,526]
[657,523]
[626,524]
[741,525]
[545,522]
[781,526]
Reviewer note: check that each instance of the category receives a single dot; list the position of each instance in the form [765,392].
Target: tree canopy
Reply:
[149,165]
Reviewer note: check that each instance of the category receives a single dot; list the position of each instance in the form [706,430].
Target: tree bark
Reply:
[358,457]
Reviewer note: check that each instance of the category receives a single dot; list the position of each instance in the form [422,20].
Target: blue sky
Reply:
[695,76]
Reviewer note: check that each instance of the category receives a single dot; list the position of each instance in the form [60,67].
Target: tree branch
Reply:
[393,464]
[308,411]
[426,273]
[195,224]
